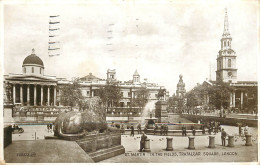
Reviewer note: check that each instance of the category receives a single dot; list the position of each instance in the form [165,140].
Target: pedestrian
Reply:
[223,137]
[166,129]
[184,131]
[51,127]
[143,138]
[132,131]
[48,127]
[210,129]
[122,129]
[162,129]
[246,130]
[155,129]
[139,128]
[240,129]
[203,129]
[193,132]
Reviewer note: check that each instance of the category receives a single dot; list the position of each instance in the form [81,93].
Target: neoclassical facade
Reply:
[32,87]
[33,94]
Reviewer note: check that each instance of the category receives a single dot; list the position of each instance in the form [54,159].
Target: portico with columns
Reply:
[34,93]
[32,87]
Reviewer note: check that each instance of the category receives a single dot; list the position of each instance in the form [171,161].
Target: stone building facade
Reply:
[36,96]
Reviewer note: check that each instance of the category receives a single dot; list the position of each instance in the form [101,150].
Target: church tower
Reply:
[180,92]
[226,60]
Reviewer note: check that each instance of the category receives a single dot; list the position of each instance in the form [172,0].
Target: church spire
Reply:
[226,30]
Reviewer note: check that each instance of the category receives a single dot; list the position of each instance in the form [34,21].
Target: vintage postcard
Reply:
[127,81]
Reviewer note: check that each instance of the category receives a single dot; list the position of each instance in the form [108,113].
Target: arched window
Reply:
[229,62]
[32,69]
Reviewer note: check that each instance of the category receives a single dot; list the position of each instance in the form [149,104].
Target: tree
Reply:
[110,94]
[192,101]
[71,94]
[219,95]
[141,97]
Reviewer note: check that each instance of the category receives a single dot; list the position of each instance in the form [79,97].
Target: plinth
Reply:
[161,111]
[147,145]
[191,143]
[230,141]
[248,140]
[169,144]
[211,141]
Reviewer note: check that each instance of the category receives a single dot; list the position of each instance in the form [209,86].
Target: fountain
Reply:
[147,114]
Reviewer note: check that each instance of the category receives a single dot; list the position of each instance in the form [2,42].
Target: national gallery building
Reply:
[35,96]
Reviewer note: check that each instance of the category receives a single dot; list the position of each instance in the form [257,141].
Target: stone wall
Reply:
[223,121]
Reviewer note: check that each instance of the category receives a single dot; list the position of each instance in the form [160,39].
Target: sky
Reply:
[161,40]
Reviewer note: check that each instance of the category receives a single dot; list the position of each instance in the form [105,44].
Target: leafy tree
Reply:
[110,94]
[141,97]
[71,94]
[192,101]
[219,95]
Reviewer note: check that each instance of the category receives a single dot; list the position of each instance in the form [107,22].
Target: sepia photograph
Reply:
[127,81]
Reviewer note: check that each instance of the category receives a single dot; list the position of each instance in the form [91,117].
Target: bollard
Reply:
[169,144]
[248,140]
[147,145]
[230,141]
[211,141]
[191,143]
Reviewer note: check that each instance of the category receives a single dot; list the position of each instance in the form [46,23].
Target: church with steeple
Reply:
[244,95]
[226,59]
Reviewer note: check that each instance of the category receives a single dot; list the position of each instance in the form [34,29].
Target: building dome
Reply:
[33,65]
[33,59]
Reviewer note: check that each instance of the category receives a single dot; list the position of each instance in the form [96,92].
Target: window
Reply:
[24,70]
[32,69]
[229,62]
[122,94]
[228,43]
[224,43]
[129,94]
[40,70]
[88,92]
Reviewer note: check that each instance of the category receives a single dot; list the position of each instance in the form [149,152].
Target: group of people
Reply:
[213,126]
[163,129]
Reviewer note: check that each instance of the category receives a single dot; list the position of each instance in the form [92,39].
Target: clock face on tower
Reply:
[230,74]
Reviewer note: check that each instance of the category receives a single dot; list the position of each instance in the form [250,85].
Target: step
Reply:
[107,153]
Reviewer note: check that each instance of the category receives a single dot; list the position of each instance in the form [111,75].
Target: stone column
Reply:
[14,93]
[191,143]
[41,95]
[231,103]
[230,141]
[21,94]
[248,140]
[234,99]
[54,98]
[48,96]
[28,94]
[211,141]
[242,94]
[169,144]
[147,145]
[35,93]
